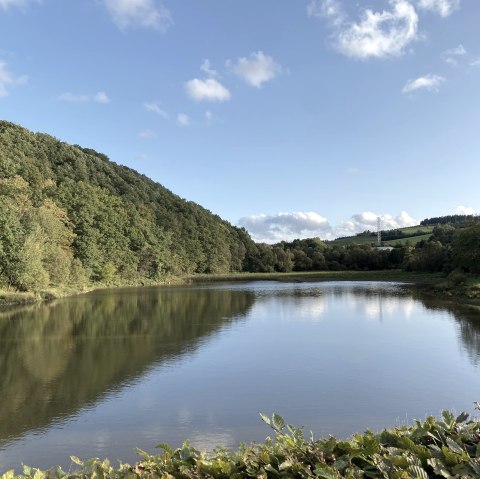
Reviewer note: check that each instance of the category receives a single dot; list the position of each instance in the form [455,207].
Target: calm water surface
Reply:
[101,374]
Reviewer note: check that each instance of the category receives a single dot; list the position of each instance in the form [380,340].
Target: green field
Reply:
[367,240]
[413,240]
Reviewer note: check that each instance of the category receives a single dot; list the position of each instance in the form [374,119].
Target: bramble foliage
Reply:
[448,448]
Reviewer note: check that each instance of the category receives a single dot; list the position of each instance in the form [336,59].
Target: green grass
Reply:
[9,298]
[367,240]
[412,240]
[383,275]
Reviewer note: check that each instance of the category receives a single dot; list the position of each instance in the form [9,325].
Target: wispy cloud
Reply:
[380,34]
[9,80]
[256,70]
[155,108]
[209,89]
[6,4]
[139,14]
[289,226]
[147,134]
[331,9]
[452,55]
[101,97]
[428,82]
[206,67]
[69,97]
[443,7]
[183,120]
[208,117]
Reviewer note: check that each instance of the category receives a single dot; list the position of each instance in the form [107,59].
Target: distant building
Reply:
[383,248]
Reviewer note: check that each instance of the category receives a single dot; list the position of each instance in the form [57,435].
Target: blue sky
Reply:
[292,118]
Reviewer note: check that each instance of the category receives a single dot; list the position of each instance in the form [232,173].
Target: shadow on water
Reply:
[58,358]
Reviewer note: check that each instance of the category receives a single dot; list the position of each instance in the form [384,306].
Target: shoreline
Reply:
[432,284]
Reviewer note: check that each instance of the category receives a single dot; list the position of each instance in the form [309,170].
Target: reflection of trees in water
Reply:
[57,358]
[468,320]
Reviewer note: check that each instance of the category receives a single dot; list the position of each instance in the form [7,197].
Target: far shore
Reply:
[435,284]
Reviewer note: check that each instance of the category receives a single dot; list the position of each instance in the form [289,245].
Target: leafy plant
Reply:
[436,448]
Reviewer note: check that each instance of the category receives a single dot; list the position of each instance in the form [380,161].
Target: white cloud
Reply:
[139,13]
[285,226]
[289,226]
[353,171]
[330,9]
[147,134]
[464,210]
[207,68]
[475,63]
[207,90]
[257,69]
[428,82]
[183,120]
[8,79]
[155,108]
[443,7]
[101,97]
[368,221]
[73,97]
[69,97]
[380,34]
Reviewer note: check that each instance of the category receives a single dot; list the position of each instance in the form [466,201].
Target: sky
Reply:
[291,118]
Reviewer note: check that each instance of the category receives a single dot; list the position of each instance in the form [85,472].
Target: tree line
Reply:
[449,248]
[70,217]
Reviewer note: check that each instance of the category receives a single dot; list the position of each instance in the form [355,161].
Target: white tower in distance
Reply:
[379,232]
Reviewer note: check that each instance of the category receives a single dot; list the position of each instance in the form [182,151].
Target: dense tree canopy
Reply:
[69,215]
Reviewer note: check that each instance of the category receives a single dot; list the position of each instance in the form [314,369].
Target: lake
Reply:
[100,374]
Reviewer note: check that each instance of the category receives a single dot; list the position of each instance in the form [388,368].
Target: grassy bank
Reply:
[435,283]
[384,275]
[446,448]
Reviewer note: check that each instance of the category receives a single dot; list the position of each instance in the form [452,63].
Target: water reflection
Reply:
[468,319]
[58,358]
[104,373]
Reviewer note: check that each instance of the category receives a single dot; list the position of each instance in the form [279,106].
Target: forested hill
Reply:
[69,216]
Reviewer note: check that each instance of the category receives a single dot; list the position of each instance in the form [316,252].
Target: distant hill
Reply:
[69,215]
[411,235]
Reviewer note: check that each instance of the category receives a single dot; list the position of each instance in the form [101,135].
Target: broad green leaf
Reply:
[462,417]
[327,472]
[165,447]
[278,422]
[454,446]
[439,468]
[76,460]
[448,417]
[418,472]
[265,418]
[39,474]
[185,454]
